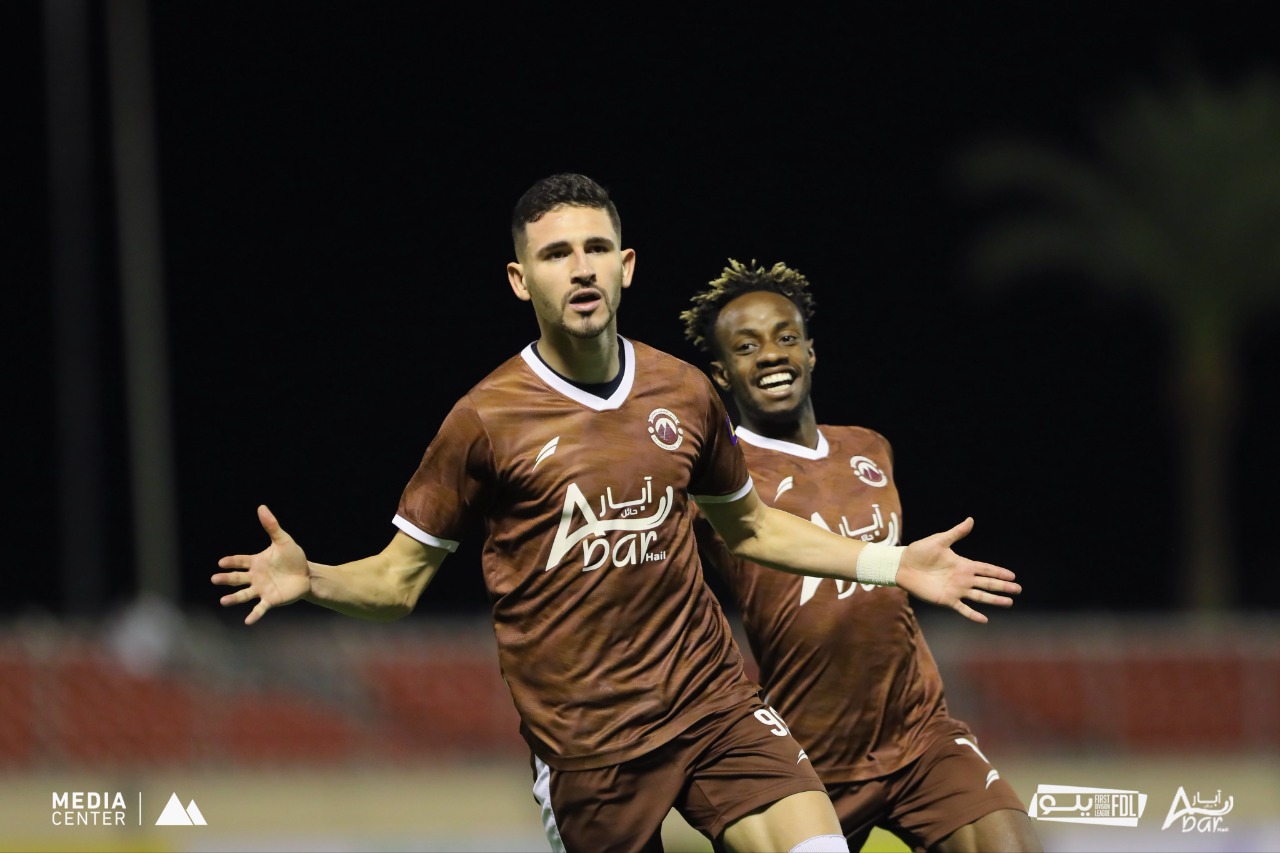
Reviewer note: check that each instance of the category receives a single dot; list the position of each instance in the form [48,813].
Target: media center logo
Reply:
[91,808]
[113,808]
[1074,804]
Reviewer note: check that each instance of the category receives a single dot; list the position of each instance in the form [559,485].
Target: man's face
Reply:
[573,271]
[765,362]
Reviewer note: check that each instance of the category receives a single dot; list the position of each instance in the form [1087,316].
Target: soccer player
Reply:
[581,456]
[844,664]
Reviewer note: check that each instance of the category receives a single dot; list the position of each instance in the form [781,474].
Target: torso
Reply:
[844,664]
[608,637]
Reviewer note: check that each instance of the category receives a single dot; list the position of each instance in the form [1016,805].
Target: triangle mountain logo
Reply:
[175,815]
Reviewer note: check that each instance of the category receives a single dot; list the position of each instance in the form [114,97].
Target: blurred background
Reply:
[256,251]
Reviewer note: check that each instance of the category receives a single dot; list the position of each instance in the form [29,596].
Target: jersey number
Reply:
[771,718]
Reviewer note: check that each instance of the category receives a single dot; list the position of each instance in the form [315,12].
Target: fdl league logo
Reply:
[1072,804]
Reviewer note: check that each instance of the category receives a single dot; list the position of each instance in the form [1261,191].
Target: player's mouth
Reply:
[777,384]
[586,300]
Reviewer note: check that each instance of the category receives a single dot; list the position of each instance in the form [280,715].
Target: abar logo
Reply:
[636,517]
[1200,815]
[175,815]
[665,429]
[868,472]
[1071,804]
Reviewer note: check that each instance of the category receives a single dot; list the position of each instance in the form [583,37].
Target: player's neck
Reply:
[801,430]
[591,360]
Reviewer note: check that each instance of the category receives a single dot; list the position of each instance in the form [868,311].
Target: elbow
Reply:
[393,612]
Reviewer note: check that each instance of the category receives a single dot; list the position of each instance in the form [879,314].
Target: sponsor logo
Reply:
[1072,804]
[111,808]
[868,472]
[992,774]
[637,517]
[877,529]
[665,429]
[547,450]
[1200,814]
[787,484]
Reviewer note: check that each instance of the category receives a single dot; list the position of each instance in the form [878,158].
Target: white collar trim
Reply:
[591,401]
[820,452]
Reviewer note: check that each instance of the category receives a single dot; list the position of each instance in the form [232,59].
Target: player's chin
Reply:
[776,409]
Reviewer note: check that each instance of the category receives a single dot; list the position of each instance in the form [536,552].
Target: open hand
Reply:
[275,576]
[931,571]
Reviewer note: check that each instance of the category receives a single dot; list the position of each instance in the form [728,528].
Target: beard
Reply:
[594,325]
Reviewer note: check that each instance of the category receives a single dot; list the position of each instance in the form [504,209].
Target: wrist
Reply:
[878,563]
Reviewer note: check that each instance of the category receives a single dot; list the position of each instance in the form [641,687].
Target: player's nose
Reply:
[582,269]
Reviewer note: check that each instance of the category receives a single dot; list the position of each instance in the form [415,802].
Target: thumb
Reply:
[271,525]
[958,532]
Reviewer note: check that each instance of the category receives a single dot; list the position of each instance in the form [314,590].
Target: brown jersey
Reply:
[844,663]
[608,637]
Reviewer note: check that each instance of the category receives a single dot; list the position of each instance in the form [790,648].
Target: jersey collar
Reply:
[591,401]
[819,452]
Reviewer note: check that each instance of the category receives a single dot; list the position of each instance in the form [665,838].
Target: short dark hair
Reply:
[555,191]
[737,279]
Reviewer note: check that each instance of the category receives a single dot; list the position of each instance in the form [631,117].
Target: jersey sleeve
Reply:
[452,483]
[720,473]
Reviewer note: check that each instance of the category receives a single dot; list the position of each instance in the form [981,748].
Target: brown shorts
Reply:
[720,769]
[952,784]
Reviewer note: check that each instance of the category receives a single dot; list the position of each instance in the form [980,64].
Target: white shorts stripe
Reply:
[542,793]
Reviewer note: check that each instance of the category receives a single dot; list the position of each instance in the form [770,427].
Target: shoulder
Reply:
[648,356]
[658,368]
[854,438]
[510,377]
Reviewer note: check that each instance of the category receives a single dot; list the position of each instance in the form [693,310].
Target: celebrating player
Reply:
[844,664]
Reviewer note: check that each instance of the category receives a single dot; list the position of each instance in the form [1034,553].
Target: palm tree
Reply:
[1178,196]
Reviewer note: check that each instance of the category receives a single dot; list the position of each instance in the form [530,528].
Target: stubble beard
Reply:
[588,327]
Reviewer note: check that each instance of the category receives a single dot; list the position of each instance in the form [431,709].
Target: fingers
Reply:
[235,561]
[996,579]
[259,610]
[998,573]
[983,597]
[240,596]
[969,613]
[230,578]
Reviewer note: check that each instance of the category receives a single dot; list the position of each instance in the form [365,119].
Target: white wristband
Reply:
[878,563]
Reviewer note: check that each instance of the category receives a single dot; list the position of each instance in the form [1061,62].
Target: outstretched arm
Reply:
[382,587]
[927,568]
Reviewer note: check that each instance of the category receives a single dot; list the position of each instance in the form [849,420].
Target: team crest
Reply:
[868,472]
[664,429]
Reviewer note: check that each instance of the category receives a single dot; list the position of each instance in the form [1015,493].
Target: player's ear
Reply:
[628,266]
[515,275]
[813,357]
[719,375]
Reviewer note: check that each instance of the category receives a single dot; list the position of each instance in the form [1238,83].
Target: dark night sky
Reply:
[336,185]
